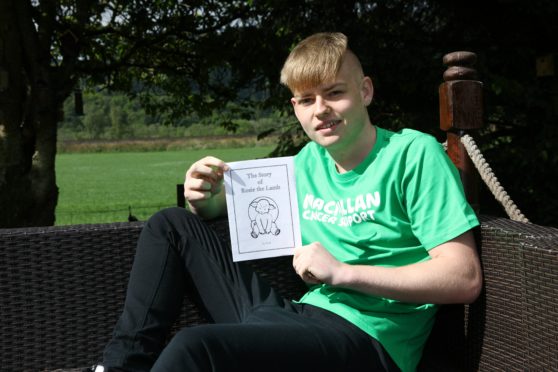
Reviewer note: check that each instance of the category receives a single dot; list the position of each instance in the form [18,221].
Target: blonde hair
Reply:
[314,60]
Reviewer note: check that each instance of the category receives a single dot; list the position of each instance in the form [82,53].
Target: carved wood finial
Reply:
[460,93]
[461,111]
[460,66]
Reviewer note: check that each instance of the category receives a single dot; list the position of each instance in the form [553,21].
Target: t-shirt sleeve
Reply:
[433,194]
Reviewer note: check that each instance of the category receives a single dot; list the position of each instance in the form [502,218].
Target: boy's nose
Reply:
[322,107]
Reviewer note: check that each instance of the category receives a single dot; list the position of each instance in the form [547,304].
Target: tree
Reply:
[401,44]
[47,45]
[180,57]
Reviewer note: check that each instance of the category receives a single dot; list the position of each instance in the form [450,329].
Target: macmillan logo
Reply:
[343,212]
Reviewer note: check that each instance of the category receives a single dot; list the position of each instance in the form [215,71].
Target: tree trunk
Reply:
[28,119]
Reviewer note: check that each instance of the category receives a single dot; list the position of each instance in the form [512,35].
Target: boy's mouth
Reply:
[328,124]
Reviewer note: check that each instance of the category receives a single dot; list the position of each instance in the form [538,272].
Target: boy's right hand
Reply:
[203,187]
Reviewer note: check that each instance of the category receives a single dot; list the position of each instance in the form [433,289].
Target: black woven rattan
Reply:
[62,289]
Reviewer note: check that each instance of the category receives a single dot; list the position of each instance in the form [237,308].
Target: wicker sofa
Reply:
[63,287]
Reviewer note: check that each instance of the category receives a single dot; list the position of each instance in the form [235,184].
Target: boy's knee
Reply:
[170,214]
[188,348]
[167,223]
[192,338]
[170,217]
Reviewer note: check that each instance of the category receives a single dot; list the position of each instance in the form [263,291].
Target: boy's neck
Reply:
[346,161]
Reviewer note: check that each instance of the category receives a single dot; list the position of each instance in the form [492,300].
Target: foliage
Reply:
[217,62]
[114,116]
[521,107]
[401,45]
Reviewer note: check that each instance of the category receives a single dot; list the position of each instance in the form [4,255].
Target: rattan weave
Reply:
[62,289]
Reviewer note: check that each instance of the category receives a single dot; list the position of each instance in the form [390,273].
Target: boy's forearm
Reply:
[453,277]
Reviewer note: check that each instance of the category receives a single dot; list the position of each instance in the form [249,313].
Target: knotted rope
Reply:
[490,179]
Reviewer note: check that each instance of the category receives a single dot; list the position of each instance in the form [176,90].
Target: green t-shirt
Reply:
[402,200]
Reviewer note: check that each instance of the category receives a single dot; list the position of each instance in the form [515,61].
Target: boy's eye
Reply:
[335,93]
[305,101]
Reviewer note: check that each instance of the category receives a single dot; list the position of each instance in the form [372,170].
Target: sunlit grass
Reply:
[99,187]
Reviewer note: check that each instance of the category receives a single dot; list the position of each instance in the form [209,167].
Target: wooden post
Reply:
[461,111]
[180,198]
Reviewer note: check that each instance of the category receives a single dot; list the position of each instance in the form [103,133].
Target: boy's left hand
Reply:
[315,265]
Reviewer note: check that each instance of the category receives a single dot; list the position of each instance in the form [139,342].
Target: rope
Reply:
[490,179]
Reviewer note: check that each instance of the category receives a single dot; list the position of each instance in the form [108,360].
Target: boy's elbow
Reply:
[473,288]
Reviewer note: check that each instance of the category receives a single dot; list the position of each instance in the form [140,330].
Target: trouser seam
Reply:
[154,292]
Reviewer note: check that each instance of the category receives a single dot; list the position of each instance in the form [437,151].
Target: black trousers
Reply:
[254,328]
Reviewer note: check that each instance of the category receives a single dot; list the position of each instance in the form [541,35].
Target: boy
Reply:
[376,265]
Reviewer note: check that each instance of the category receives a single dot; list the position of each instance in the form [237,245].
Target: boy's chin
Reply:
[329,142]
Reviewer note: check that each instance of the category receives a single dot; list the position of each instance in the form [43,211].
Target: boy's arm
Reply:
[452,275]
[203,188]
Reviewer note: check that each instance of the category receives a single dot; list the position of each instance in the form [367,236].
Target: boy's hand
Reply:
[315,265]
[203,182]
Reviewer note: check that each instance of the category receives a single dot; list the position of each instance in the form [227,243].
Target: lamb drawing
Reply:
[263,213]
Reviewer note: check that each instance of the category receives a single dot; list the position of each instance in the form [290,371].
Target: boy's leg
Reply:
[304,338]
[175,247]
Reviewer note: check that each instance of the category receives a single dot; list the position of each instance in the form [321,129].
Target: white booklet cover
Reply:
[262,208]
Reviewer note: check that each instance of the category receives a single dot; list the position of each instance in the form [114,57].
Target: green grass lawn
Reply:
[99,187]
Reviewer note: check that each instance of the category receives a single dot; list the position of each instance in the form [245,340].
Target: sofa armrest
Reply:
[514,323]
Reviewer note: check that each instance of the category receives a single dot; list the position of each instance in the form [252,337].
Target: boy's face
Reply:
[333,114]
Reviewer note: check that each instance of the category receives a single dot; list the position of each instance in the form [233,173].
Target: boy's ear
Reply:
[367,90]
[293,101]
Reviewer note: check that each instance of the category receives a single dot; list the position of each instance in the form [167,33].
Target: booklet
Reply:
[262,208]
